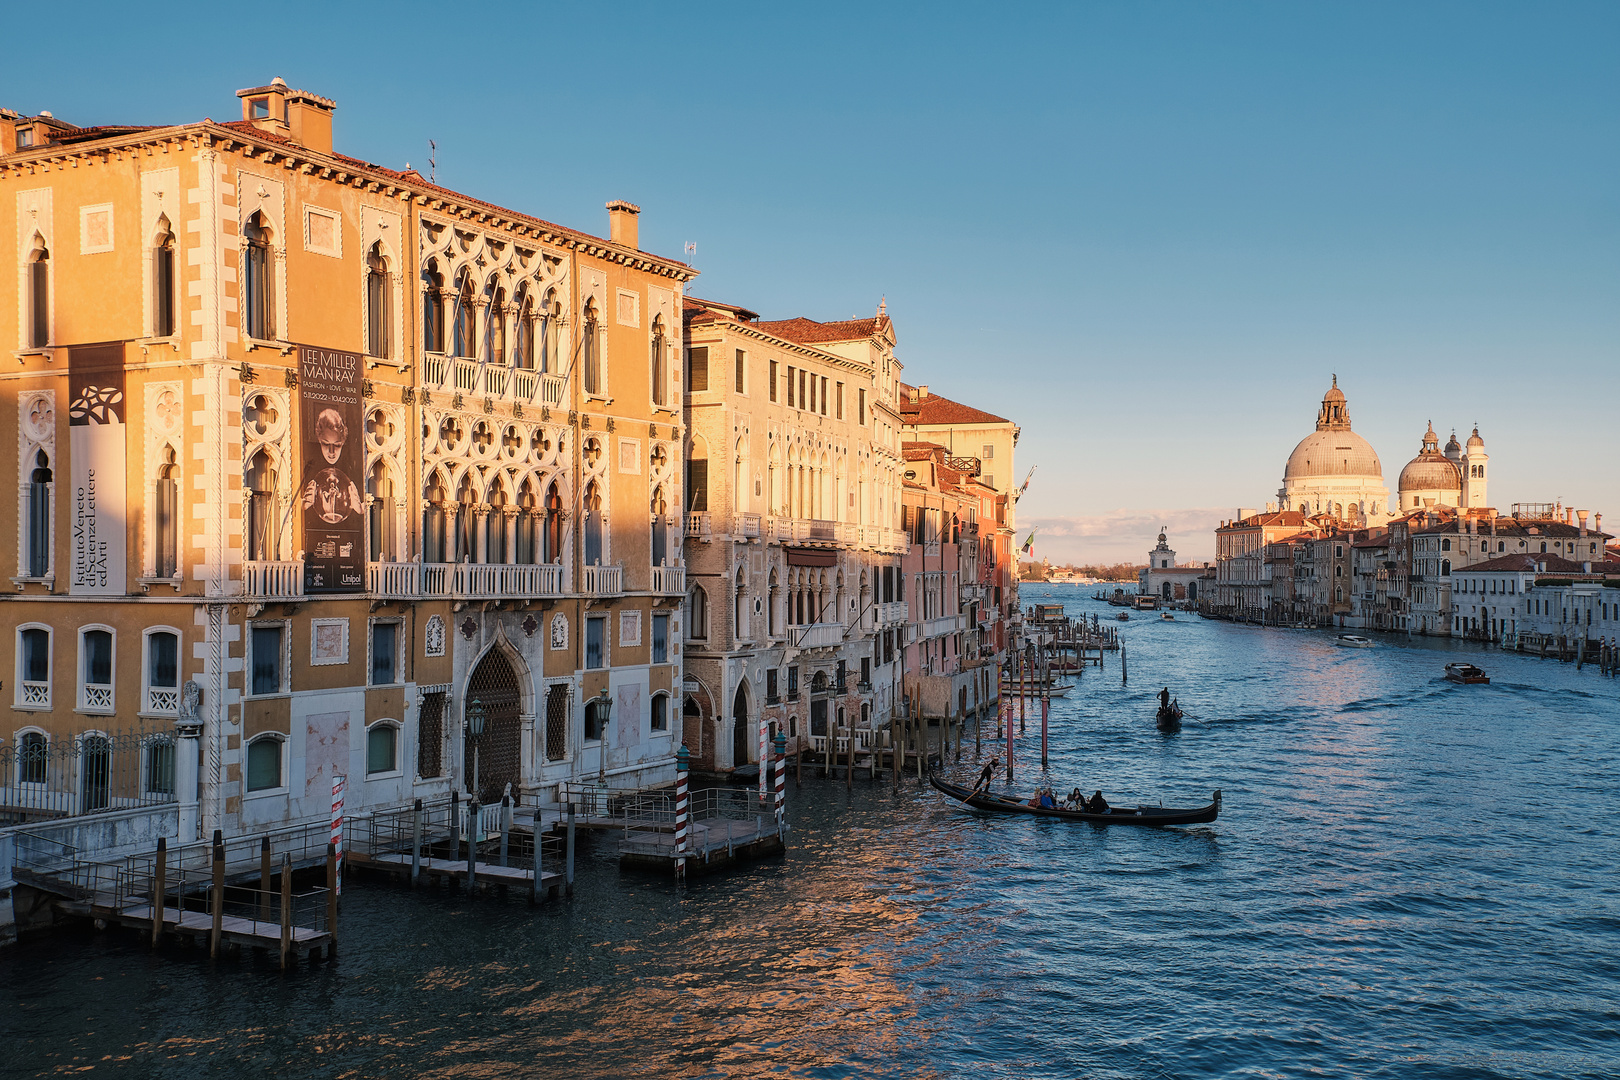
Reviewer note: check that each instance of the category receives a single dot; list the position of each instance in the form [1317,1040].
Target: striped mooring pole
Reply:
[683,758]
[338,783]
[781,780]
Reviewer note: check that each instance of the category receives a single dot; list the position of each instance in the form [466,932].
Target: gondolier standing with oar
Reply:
[985,774]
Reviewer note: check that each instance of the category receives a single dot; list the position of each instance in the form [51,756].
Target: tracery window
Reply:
[590,349]
[163,299]
[259,286]
[660,379]
[432,308]
[379,302]
[464,341]
[39,295]
[167,507]
[39,516]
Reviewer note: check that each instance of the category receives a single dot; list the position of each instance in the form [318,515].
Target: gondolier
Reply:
[985,774]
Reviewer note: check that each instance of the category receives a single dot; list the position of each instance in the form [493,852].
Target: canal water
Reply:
[1408,879]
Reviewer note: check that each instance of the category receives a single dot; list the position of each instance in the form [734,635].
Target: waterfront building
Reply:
[950,664]
[1522,600]
[796,606]
[970,433]
[313,456]
[1369,559]
[1163,578]
[1245,560]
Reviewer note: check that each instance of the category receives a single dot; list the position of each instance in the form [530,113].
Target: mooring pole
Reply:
[683,762]
[331,899]
[781,782]
[472,844]
[1123,667]
[416,843]
[455,825]
[218,894]
[160,888]
[1046,708]
[506,825]
[568,866]
[286,908]
[264,875]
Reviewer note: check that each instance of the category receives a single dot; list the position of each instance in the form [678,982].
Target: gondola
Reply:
[1168,716]
[1116,815]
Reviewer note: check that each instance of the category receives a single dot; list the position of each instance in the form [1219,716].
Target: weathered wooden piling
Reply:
[416,844]
[331,898]
[472,844]
[568,866]
[160,870]
[286,908]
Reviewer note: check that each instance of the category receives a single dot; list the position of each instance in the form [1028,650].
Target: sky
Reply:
[1149,233]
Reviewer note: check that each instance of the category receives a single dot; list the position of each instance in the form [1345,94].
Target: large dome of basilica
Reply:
[1334,470]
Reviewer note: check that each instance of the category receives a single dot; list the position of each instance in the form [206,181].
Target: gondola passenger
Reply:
[1098,804]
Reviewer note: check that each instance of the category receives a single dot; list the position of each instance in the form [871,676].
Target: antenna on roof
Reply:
[691,247]
[433,162]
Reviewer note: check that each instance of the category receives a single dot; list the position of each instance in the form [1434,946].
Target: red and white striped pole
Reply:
[682,813]
[338,783]
[781,779]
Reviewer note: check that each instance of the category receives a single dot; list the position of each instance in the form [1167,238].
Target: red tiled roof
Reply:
[740,312]
[809,332]
[935,411]
[1525,563]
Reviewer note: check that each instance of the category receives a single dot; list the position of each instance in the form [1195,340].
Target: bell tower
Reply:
[1473,471]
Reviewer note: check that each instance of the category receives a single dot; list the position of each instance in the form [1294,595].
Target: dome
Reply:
[1474,441]
[1430,472]
[1454,448]
[1333,452]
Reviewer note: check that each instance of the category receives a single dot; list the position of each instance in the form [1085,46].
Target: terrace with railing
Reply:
[459,375]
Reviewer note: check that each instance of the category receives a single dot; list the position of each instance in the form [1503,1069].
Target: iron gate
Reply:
[499,749]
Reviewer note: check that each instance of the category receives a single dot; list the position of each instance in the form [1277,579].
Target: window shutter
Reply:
[741,359]
[697,369]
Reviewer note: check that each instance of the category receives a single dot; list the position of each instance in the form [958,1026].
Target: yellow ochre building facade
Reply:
[312,455]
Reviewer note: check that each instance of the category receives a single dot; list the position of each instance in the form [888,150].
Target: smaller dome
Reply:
[1453,445]
[1474,441]
[1430,470]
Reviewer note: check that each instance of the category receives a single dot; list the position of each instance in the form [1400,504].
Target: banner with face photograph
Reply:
[331,489]
[97,520]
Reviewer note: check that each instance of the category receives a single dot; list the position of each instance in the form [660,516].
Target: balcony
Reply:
[697,526]
[941,626]
[745,525]
[604,580]
[464,581]
[163,700]
[894,612]
[455,374]
[279,580]
[817,636]
[669,580]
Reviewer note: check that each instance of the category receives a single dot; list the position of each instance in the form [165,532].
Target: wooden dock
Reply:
[486,876]
[711,845]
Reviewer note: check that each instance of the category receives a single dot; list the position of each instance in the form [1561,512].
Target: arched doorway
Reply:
[818,703]
[494,683]
[739,728]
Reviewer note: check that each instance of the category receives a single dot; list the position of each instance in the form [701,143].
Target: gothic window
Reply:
[262,525]
[697,478]
[523,349]
[659,379]
[464,322]
[433,531]
[381,489]
[163,299]
[259,286]
[697,613]
[167,506]
[660,531]
[546,332]
[466,522]
[495,325]
[432,308]
[589,352]
[379,302]
[553,526]
[39,295]
[39,517]
[593,525]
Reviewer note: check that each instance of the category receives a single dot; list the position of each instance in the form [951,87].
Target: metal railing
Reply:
[90,773]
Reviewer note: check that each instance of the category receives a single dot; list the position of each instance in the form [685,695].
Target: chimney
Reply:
[309,117]
[265,107]
[922,392]
[914,395]
[1582,515]
[1597,523]
[1569,515]
[8,131]
[622,223]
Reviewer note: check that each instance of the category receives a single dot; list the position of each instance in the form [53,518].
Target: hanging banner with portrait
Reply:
[97,520]
[330,490]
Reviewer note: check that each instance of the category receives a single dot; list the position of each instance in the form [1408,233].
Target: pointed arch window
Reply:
[433,538]
[432,308]
[259,283]
[590,349]
[697,613]
[660,530]
[39,295]
[39,516]
[495,324]
[593,525]
[379,302]
[660,378]
[163,299]
[262,532]
[464,323]
[166,504]
[380,487]
[523,337]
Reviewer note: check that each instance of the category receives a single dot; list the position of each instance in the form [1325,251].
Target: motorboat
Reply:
[1123,616]
[1167,617]
[1466,674]
[1353,641]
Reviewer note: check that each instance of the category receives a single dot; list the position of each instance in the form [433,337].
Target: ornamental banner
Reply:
[330,489]
[97,519]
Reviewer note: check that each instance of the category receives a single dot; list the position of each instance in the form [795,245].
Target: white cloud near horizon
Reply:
[1125,535]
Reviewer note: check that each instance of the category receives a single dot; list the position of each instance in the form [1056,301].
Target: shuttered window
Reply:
[697,369]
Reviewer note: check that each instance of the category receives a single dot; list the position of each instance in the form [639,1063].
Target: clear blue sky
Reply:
[1147,232]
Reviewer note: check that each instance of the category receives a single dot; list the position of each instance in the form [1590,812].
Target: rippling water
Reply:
[1409,878]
